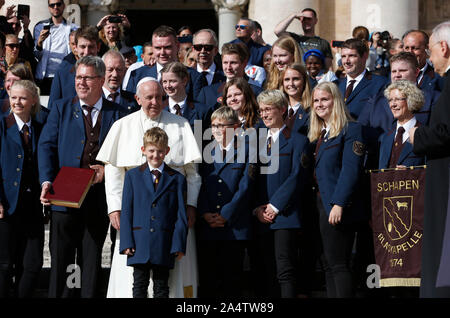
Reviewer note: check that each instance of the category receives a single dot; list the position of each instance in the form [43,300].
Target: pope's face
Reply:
[149,97]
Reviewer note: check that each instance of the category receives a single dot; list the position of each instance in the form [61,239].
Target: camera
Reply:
[115,19]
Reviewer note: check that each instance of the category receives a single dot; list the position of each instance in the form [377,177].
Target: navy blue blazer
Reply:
[12,157]
[63,83]
[431,80]
[192,88]
[62,140]
[196,111]
[256,51]
[300,123]
[226,189]
[407,156]
[153,223]
[283,188]
[127,101]
[368,87]
[338,168]
[212,95]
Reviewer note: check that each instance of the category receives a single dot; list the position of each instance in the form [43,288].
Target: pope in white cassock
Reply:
[120,152]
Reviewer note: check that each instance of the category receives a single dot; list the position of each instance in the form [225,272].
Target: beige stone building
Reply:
[337,18]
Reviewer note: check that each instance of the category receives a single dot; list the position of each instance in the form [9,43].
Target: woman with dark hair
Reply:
[238,95]
[315,65]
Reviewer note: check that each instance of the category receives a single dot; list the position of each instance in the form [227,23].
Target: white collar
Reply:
[160,168]
[276,134]
[407,126]
[172,103]
[20,122]
[98,105]
[357,78]
[107,92]
[228,147]
[211,69]
[295,107]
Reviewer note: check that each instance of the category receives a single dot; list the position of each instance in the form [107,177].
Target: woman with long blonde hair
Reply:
[339,154]
[296,88]
[285,51]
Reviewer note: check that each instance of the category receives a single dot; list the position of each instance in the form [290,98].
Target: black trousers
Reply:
[277,252]
[337,246]
[141,280]
[77,237]
[21,248]
[221,267]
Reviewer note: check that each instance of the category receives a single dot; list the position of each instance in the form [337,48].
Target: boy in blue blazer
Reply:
[224,209]
[153,219]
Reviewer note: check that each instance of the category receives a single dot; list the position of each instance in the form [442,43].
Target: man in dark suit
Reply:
[359,84]
[205,44]
[244,30]
[63,84]
[75,130]
[433,141]
[416,42]
[165,49]
[115,72]
[234,60]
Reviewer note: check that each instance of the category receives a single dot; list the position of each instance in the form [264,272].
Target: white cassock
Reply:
[120,152]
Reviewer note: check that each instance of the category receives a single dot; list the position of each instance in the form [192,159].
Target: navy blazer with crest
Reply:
[407,156]
[369,86]
[339,168]
[284,188]
[301,121]
[12,157]
[63,138]
[63,83]
[154,223]
[227,186]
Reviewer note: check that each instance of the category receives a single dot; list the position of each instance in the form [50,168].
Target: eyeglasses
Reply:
[13,45]
[428,50]
[79,78]
[391,100]
[241,26]
[54,5]
[207,47]
[221,126]
[268,110]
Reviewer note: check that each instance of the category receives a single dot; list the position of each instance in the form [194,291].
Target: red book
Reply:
[70,187]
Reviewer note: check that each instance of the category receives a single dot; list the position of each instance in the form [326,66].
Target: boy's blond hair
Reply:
[225,113]
[156,136]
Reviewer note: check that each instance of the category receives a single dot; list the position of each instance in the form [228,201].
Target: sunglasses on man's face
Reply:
[207,47]
[12,45]
[54,5]
[241,26]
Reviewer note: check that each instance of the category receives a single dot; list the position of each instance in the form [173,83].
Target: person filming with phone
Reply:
[113,29]
[51,38]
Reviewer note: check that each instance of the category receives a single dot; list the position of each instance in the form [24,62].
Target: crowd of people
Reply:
[168,126]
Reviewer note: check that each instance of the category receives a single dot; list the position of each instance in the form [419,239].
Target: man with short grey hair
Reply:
[72,137]
[433,141]
[205,45]
[114,75]
[244,30]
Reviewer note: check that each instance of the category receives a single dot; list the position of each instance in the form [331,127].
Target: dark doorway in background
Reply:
[145,21]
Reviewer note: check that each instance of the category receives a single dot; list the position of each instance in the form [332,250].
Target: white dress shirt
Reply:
[357,79]
[172,104]
[409,124]
[211,70]
[97,108]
